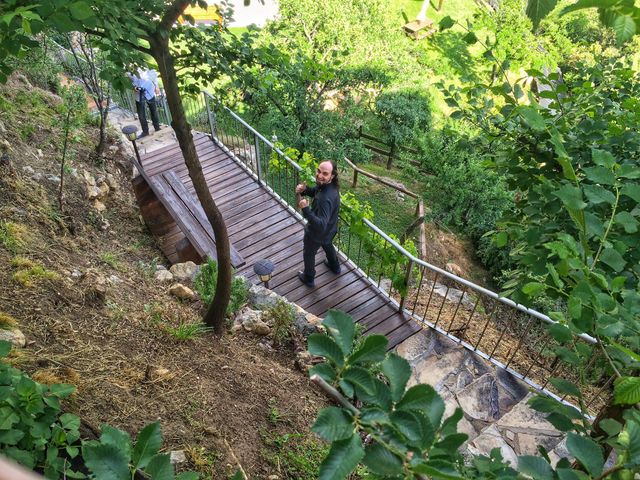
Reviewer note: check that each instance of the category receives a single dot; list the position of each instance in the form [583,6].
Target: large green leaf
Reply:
[582,4]
[80,10]
[341,328]
[415,427]
[439,469]
[106,461]
[627,390]
[532,118]
[601,175]
[160,468]
[597,194]
[381,461]
[333,423]
[118,438]
[5,348]
[587,452]
[538,9]
[611,257]
[628,222]
[372,349]
[323,346]
[625,28]
[342,459]
[571,196]
[398,371]
[603,158]
[631,190]
[560,333]
[425,399]
[565,387]
[325,371]
[446,23]
[147,445]
[535,467]
[361,379]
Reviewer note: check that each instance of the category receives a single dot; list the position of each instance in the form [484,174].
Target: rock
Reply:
[2,128]
[182,292]
[40,154]
[16,337]
[177,456]
[100,207]
[111,181]
[52,178]
[114,279]
[28,170]
[184,271]
[103,189]
[455,269]
[93,192]
[400,196]
[251,321]
[489,439]
[261,297]
[96,285]
[76,274]
[306,323]
[160,267]
[113,148]
[37,176]
[273,477]
[163,276]
[88,178]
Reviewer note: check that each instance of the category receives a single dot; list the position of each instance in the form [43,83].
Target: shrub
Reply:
[206,281]
[281,317]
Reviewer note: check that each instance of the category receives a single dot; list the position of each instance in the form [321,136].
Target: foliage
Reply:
[12,236]
[406,434]
[620,15]
[403,114]
[281,317]
[186,330]
[29,272]
[39,67]
[205,285]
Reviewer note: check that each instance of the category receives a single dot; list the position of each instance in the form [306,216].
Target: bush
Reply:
[39,67]
[206,281]
[281,317]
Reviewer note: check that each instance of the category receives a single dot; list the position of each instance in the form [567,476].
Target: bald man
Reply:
[322,220]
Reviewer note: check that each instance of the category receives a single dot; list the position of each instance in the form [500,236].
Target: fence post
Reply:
[209,115]
[355,178]
[407,277]
[258,164]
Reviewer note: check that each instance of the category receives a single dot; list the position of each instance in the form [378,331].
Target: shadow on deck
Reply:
[260,227]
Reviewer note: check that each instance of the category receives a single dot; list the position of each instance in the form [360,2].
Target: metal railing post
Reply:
[209,115]
[407,277]
[258,165]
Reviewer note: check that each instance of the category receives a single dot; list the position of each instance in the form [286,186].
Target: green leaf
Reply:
[566,388]
[22,457]
[631,190]
[535,467]
[597,194]
[439,469]
[342,329]
[118,438]
[533,288]
[8,417]
[452,442]
[625,28]
[628,222]
[61,390]
[629,171]
[538,9]
[501,239]
[5,348]
[561,422]
[323,346]
[381,461]
[398,371]
[532,118]
[415,427]
[342,459]
[611,257]
[160,468]
[600,175]
[449,426]
[603,158]
[587,452]
[333,423]
[423,398]
[560,333]
[80,10]
[610,426]
[446,23]
[373,349]
[571,196]
[11,437]
[626,391]
[147,445]
[360,378]
[470,38]
[194,476]
[324,371]
[106,461]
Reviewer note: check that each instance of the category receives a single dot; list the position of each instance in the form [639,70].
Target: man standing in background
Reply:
[145,94]
[322,220]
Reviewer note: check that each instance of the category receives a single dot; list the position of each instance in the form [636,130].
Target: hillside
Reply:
[80,284]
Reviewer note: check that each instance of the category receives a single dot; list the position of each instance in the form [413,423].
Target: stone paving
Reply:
[118,118]
[496,413]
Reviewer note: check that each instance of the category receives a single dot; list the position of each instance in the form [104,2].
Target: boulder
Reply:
[93,192]
[163,276]
[15,337]
[261,297]
[180,291]
[184,271]
[100,207]
[251,321]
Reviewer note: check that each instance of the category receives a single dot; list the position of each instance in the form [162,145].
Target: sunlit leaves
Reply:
[627,390]
[538,9]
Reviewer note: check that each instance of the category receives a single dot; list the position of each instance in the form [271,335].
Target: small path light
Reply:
[264,269]
[131,132]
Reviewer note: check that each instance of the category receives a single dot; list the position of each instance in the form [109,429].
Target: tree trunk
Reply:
[215,315]
[103,133]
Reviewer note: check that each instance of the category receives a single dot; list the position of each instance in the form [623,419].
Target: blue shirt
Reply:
[145,86]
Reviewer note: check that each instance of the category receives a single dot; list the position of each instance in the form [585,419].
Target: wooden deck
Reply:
[260,227]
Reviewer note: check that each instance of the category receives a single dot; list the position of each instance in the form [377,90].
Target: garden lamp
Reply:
[264,269]
[131,132]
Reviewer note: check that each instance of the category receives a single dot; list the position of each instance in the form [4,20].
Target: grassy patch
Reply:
[111,259]
[294,455]
[281,318]
[205,284]
[186,331]
[29,273]
[13,236]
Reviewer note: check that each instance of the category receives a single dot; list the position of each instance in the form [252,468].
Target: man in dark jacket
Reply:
[322,220]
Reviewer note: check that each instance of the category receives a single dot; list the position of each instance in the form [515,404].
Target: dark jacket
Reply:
[322,215]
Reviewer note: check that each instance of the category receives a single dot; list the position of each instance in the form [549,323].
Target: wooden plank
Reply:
[257,223]
[267,249]
[194,207]
[401,334]
[268,232]
[315,295]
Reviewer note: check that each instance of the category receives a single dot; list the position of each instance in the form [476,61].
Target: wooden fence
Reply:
[391,151]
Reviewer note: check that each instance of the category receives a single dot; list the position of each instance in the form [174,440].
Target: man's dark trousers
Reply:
[310,248]
[142,114]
